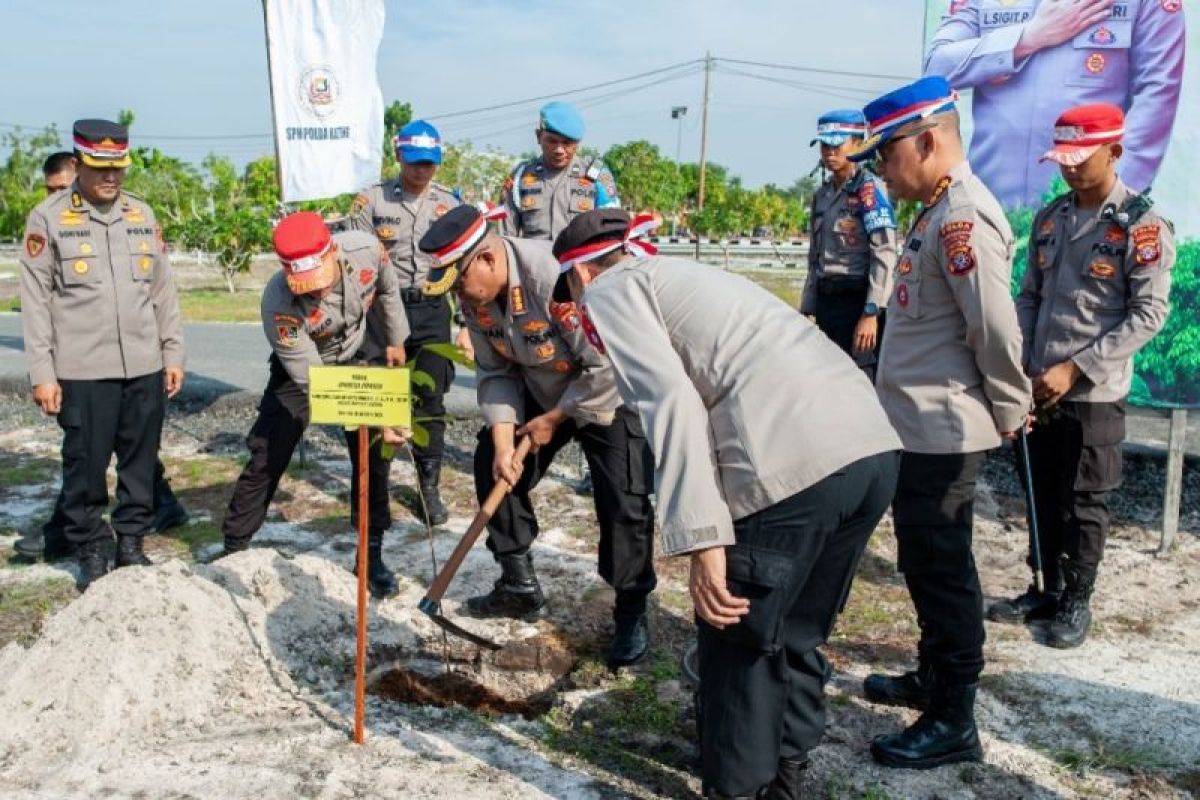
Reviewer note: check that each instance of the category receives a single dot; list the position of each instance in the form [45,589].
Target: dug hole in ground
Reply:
[234,679]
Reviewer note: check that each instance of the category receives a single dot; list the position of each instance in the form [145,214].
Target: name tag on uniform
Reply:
[1002,13]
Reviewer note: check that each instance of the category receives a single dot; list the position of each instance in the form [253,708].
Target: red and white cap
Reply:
[639,227]
[302,241]
[1083,130]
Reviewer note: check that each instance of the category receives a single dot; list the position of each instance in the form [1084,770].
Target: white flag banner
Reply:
[327,104]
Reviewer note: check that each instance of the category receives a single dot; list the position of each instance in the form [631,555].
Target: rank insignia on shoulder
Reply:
[289,335]
[35,243]
[516,300]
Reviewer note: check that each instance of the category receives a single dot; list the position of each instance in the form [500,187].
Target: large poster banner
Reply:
[1018,64]
[327,104]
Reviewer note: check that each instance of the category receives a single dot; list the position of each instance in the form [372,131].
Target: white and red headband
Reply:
[639,227]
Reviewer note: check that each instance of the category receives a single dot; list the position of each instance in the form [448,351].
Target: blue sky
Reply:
[199,69]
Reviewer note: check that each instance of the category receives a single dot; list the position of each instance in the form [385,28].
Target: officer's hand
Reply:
[1051,385]
[540,430]
[463,342]
[173,380]
[394,356]
[866,332]
[1028,426]
[710,594]
[395,436]
[1056,21]
[505,466]
[48,397]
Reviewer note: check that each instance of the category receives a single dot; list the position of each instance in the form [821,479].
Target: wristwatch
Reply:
[870,310]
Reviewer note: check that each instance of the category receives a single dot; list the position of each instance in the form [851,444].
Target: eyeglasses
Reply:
[881,153]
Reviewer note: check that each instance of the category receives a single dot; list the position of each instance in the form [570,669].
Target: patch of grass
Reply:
[875,792]
[10,302]
[1103,754]
[786,285]
[20,472]
[218,305]
[25,606]
[198,534]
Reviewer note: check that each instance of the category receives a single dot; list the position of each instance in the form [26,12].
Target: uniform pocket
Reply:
[641,459]
[763,577]
[1101,56]
[141,266]
[78,263]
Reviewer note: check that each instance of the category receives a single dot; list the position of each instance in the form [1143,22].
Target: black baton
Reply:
[1034,539]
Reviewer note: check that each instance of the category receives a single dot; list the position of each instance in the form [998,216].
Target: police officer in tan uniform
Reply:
[852,244]
[336,301]
[543,195]
[1094,293]
[50,541]
[950,379]
[399,211]
[537,376]
[104,343]
[773,464]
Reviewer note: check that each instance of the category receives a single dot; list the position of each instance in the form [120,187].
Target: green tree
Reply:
[475,174]
[646,181]
[395,116]
[21,177]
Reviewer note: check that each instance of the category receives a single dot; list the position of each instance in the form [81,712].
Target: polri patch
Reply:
[35,243]
[956,242]
[1146,245]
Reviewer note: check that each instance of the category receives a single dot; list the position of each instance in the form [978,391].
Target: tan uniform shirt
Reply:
[1094,293]
[744,402]
[950,372]
[362,315]
[852,234]
[400,219]
[97,297]
[541,203]
[534,344]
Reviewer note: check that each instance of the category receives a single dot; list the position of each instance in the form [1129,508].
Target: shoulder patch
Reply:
[1147,244]
[361,201]
[35,243]
[876,209]
[956,243]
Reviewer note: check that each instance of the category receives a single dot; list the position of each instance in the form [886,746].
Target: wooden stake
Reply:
[1174,491]
[360,666]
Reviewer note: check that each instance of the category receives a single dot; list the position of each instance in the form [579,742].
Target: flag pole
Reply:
[271,91]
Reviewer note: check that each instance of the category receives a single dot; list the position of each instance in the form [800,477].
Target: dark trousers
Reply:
[57,524]
[838,312]
[934,512]
[762,681]
[622,480]
[1075,458]
[282,418]
[429,321]
[100,418]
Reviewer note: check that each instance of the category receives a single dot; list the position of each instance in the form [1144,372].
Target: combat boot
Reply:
[235,544]
[1032,606]
[912,689]
[517,593]
[93,563]
[789,781]
[945,734]
[1071,622]
[380,580]
[129,552]
[168,511]
[631,638]
[429,473]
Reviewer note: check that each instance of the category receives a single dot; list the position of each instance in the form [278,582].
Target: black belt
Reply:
[413,295]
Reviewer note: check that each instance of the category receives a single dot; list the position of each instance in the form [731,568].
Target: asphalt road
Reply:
[226,363]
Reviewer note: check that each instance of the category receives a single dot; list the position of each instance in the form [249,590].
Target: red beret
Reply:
[301,241]
[1083,130]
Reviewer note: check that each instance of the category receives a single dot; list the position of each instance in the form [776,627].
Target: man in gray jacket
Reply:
[773,464]
[537,376]
[104,343]
[950,379]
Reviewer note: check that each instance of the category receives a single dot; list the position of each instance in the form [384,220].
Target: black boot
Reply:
[631,639]
[517,593]
[168,511]
[1069,628]
[1028,607]
[380,580]
[235,544]
[945,734]
[129,552]
[429,472]
[789,780]
[93,563]
[912,689]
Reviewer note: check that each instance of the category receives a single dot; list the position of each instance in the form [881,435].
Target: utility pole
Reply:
[708,66]
[677,113]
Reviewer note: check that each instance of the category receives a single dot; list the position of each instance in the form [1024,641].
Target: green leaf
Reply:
[422,378]
[450,352]
[420,436]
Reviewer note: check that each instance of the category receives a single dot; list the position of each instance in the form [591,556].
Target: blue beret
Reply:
[836,127]
[887,114]
[418,142]
[563,119]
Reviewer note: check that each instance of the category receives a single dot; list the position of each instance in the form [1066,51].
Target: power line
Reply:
[817,70]
[802,86]
[527,100]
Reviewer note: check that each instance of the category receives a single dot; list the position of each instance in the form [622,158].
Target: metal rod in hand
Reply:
[360,656]
[1035,543]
